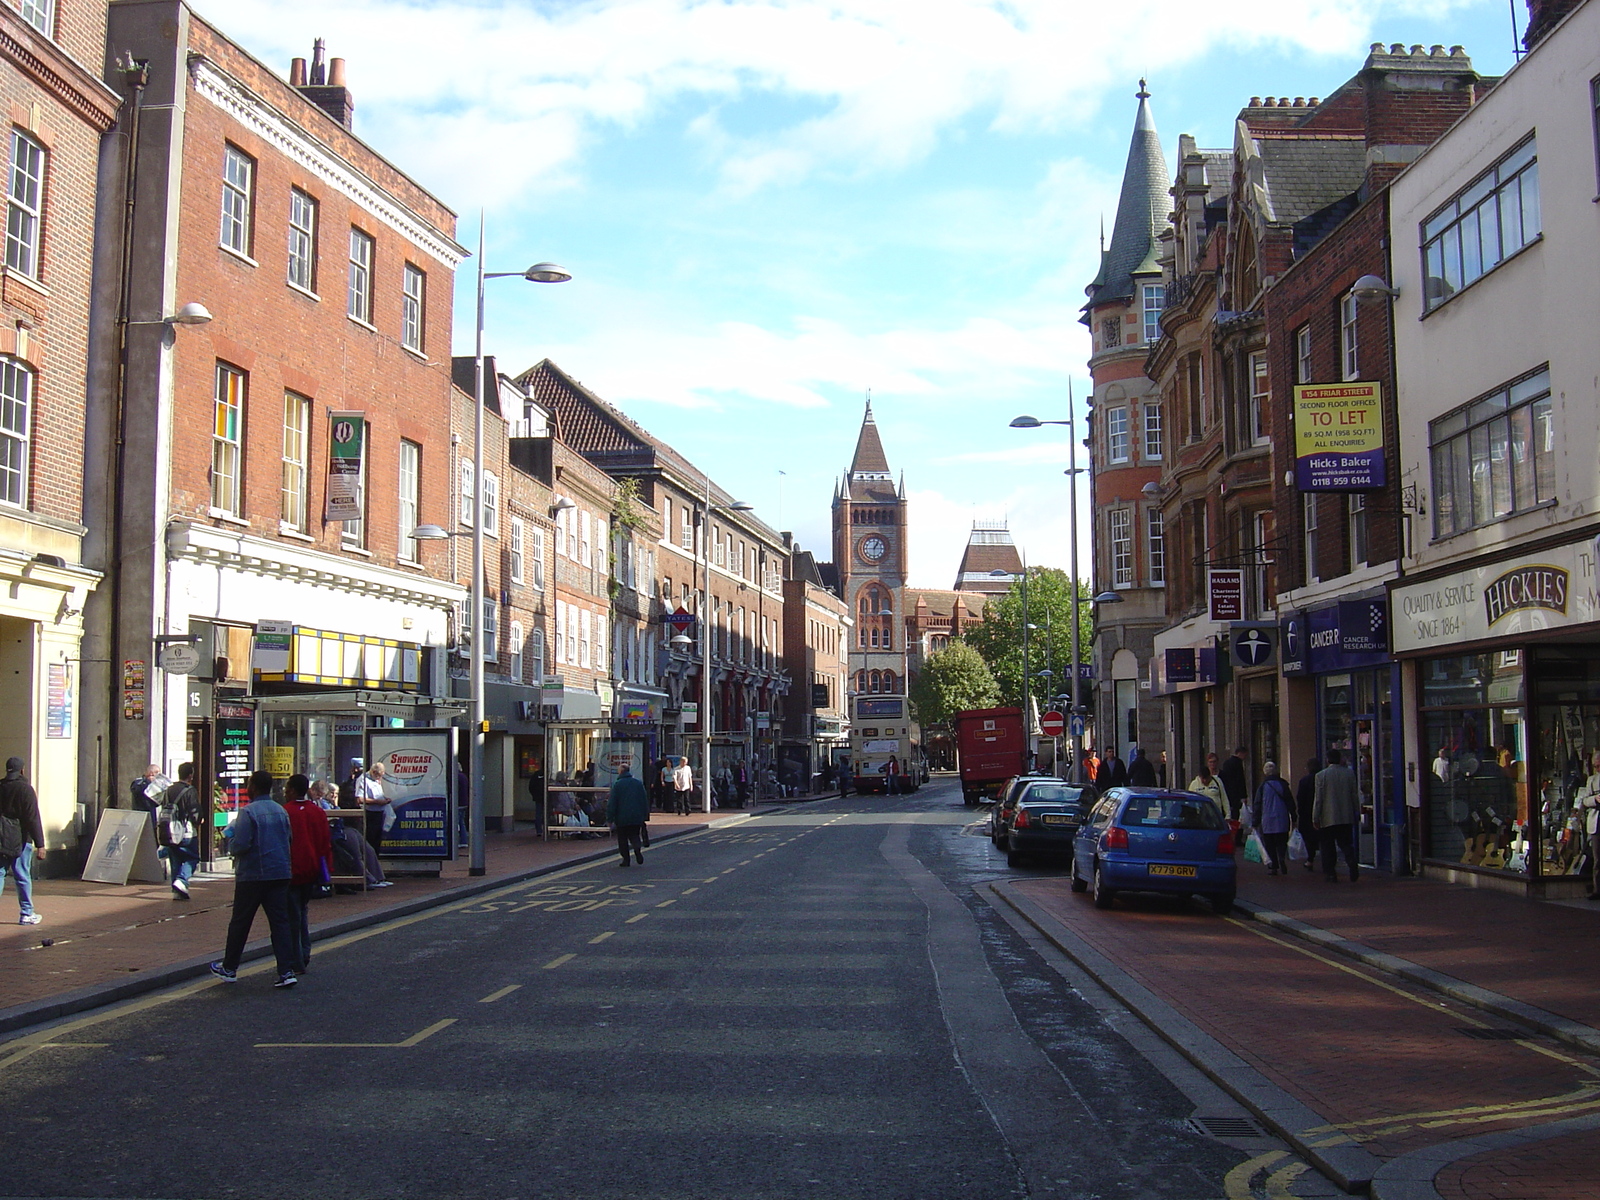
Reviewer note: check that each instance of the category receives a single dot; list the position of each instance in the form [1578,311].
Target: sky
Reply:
[772,207]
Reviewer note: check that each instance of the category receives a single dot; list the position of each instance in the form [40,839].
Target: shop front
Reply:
[1188,666]
[1343,650]
[1503,674]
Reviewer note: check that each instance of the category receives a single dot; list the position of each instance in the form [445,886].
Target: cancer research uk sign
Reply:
[1551,590]
[420,782]
[1338,437]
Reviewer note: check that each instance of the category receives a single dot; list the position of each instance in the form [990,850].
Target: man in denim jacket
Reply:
[258,839]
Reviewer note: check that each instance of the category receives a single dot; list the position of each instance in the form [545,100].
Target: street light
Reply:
[543,272]
[1072,474]
[706,509]
[1027,691]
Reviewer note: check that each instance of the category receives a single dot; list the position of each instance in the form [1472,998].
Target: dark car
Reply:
[1045,817]
[1006,800]
[1155,840]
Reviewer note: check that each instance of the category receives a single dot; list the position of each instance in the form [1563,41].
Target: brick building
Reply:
[816,650]
[215,502]
[870,555]
[58,115]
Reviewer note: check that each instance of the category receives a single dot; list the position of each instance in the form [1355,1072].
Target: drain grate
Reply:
[1227,1127]
[1494,1035]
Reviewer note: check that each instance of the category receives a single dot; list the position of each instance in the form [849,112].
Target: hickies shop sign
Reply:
[1553,590]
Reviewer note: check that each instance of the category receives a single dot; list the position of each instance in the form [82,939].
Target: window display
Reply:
[1567,717]
[1474,732]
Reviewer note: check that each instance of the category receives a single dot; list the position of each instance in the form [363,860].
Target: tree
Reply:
[951,680]
[998,637]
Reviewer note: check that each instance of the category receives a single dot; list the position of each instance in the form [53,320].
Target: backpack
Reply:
[173,829]
[10,838]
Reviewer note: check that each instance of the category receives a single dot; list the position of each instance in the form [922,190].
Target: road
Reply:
[811,1003]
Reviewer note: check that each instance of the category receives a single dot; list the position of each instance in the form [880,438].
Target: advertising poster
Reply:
[58,706]
[270,652]
[419,780]
[1338,437]
[346,433]
[235,761]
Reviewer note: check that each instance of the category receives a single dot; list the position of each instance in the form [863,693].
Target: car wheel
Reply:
[1079,884]
[1013,859]
[1103,896]
[1222,903]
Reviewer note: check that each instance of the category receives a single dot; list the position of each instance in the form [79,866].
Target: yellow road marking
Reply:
[600,937]
[745,863]
[1346,968]
[640,917]
[413,1040]
[688,891]
[1236,1183]
[1280,1181]
[713,879]
[556,962]
[1577,1095]
[501,994]
[664,903]
[731,870]
[30,1050]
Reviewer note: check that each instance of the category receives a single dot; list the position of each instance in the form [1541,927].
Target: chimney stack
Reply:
[324,84]
[1543,16]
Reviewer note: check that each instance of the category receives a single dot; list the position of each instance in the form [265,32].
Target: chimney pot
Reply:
[1436,50]
[1417,49]
[1458,51]
[1255,101]
[1299,101]
[319,69]
[297,72]
[1397,48]
[1376,48]
[336,72]
[1314,101]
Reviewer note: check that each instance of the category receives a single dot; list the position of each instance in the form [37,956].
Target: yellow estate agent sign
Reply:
[1338,437]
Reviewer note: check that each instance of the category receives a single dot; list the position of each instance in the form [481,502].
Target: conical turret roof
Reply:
[1141,212]
[870,458]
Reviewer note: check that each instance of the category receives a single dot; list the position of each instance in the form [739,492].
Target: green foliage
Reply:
[951,680]
[998,637]
[625,505]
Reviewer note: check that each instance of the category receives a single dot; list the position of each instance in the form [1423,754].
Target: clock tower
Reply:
[869,550]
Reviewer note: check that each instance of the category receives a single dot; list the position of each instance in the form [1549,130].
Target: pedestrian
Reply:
[663,789]
[258,840]
[1235,785]
[310,862]
[536,795]
[630,811]
[143,793]
[1335,812]
[178,827]
[1305,799]
[827,775]
[1207,784]
[1588,799]
[380,813]
[1274,809]
[1116,770]
[682,786]
[1141,771]
[847,778]
[19,803]
[1091,763]
[347,789]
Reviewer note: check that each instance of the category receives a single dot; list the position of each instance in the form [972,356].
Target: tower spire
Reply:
[1141,211]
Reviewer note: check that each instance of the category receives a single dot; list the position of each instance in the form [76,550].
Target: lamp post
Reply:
[1072,473]
[1027,688]
[543,272]
[706,510]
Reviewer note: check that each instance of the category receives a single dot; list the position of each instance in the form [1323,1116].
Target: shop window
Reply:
[1494,456]
[1475,739]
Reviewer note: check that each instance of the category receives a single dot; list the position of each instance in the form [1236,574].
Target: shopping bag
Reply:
[1254,851]
[1297,846]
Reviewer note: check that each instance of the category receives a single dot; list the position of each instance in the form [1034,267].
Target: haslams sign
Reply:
[1553,591]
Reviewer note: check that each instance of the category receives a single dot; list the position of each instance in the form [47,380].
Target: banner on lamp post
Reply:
[346,453]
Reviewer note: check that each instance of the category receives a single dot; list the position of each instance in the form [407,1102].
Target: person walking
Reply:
[1141,771]
[20,803]
[1305,798]
[630,810]
[1335,811]
[1589,801]
[847,778]
[178,827]
[380,813]
[258,840]
[310,863]
[1274,809]
[1207,784]
[1235,786]
[682,787]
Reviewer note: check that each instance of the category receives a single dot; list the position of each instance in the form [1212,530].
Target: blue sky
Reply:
[771,206]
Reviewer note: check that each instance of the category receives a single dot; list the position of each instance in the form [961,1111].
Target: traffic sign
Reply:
[1077,725]
[1052,724]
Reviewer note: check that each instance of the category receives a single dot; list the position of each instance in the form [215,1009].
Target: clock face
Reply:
[874,548]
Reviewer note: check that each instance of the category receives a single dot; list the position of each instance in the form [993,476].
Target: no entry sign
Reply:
[1052,724]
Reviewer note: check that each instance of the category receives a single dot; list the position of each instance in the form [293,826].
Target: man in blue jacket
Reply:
[258,840]
[629,809]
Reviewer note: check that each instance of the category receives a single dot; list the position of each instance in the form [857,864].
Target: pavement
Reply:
[1415,1040]
[100,943]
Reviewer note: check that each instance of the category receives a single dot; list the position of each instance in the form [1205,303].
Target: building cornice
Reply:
[53,69]
[271,126]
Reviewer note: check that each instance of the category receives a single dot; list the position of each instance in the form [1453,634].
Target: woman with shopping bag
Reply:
[1274,810]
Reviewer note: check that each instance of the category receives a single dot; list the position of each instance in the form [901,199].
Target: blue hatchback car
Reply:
[1153,840]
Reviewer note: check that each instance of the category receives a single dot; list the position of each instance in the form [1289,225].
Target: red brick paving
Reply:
[1351,1049]
[104,934]
[1557,1169]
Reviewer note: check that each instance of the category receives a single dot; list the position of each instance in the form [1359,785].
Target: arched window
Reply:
[888,681]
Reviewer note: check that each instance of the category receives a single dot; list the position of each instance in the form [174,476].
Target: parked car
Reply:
[1006,800]
[1155,840]
[1045,817]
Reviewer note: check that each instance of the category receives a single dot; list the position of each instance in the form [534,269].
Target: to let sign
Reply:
[1338,437]
[1225,587]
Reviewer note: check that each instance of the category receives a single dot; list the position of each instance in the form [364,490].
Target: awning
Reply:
[405,705]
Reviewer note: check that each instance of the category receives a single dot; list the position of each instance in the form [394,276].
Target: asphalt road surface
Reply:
[815,1003]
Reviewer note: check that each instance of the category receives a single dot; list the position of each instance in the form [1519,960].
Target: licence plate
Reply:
[1057,819]
[1170,869]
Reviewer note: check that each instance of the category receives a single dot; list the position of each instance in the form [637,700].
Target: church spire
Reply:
[1141,212]
[870,458]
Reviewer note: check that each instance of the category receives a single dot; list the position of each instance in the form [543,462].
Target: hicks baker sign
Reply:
[1552,591]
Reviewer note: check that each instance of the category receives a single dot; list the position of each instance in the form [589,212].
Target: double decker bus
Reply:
[881,729]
